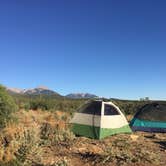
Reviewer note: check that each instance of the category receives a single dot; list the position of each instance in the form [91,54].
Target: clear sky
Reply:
[112,48]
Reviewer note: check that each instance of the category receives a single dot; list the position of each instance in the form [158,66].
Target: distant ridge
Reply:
[34,91]
[81,95]
[43,90]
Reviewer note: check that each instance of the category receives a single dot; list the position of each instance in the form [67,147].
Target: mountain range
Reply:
[42,90]
[81,95]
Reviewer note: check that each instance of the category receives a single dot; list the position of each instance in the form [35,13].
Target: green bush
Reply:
[7,107]
[24,105]
[39,104]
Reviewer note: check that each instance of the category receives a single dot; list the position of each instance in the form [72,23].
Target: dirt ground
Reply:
[138,149]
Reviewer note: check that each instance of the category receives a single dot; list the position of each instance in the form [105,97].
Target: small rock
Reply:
[134,137]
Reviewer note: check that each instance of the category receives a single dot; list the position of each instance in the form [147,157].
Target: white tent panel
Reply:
[114,121]
[86,119]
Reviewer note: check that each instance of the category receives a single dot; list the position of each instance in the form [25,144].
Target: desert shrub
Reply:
[46,131]
[11,163]
[63,136]
[39,104]
[55,135]
[7,107]
[24,105]
[29,151]
[21,147]
[63,162]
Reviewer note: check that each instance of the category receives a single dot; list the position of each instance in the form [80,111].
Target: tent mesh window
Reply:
[93,108]
[152,112]
[110,110]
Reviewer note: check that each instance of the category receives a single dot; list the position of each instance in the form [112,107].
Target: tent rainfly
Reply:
[150,118]
[98,119]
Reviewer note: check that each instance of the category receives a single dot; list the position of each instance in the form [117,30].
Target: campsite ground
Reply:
[139,149]
[48,141]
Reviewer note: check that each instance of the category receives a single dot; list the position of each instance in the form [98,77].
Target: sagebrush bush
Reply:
[63,136]
[55,135]
[20,146]
[7,107]
[30,150]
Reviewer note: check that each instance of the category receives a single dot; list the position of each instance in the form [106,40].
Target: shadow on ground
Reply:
[162,144]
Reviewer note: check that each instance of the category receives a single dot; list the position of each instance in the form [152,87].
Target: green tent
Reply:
[98,119]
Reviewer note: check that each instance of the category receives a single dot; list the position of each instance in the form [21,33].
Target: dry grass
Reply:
[24,140]
[23,143]
[44,138]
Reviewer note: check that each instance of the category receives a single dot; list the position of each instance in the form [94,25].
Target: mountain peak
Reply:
[14,90]
[42,87]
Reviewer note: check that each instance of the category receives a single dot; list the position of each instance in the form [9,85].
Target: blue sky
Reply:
[107,47]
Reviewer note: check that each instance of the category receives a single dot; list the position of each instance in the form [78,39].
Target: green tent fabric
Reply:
[97,132]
